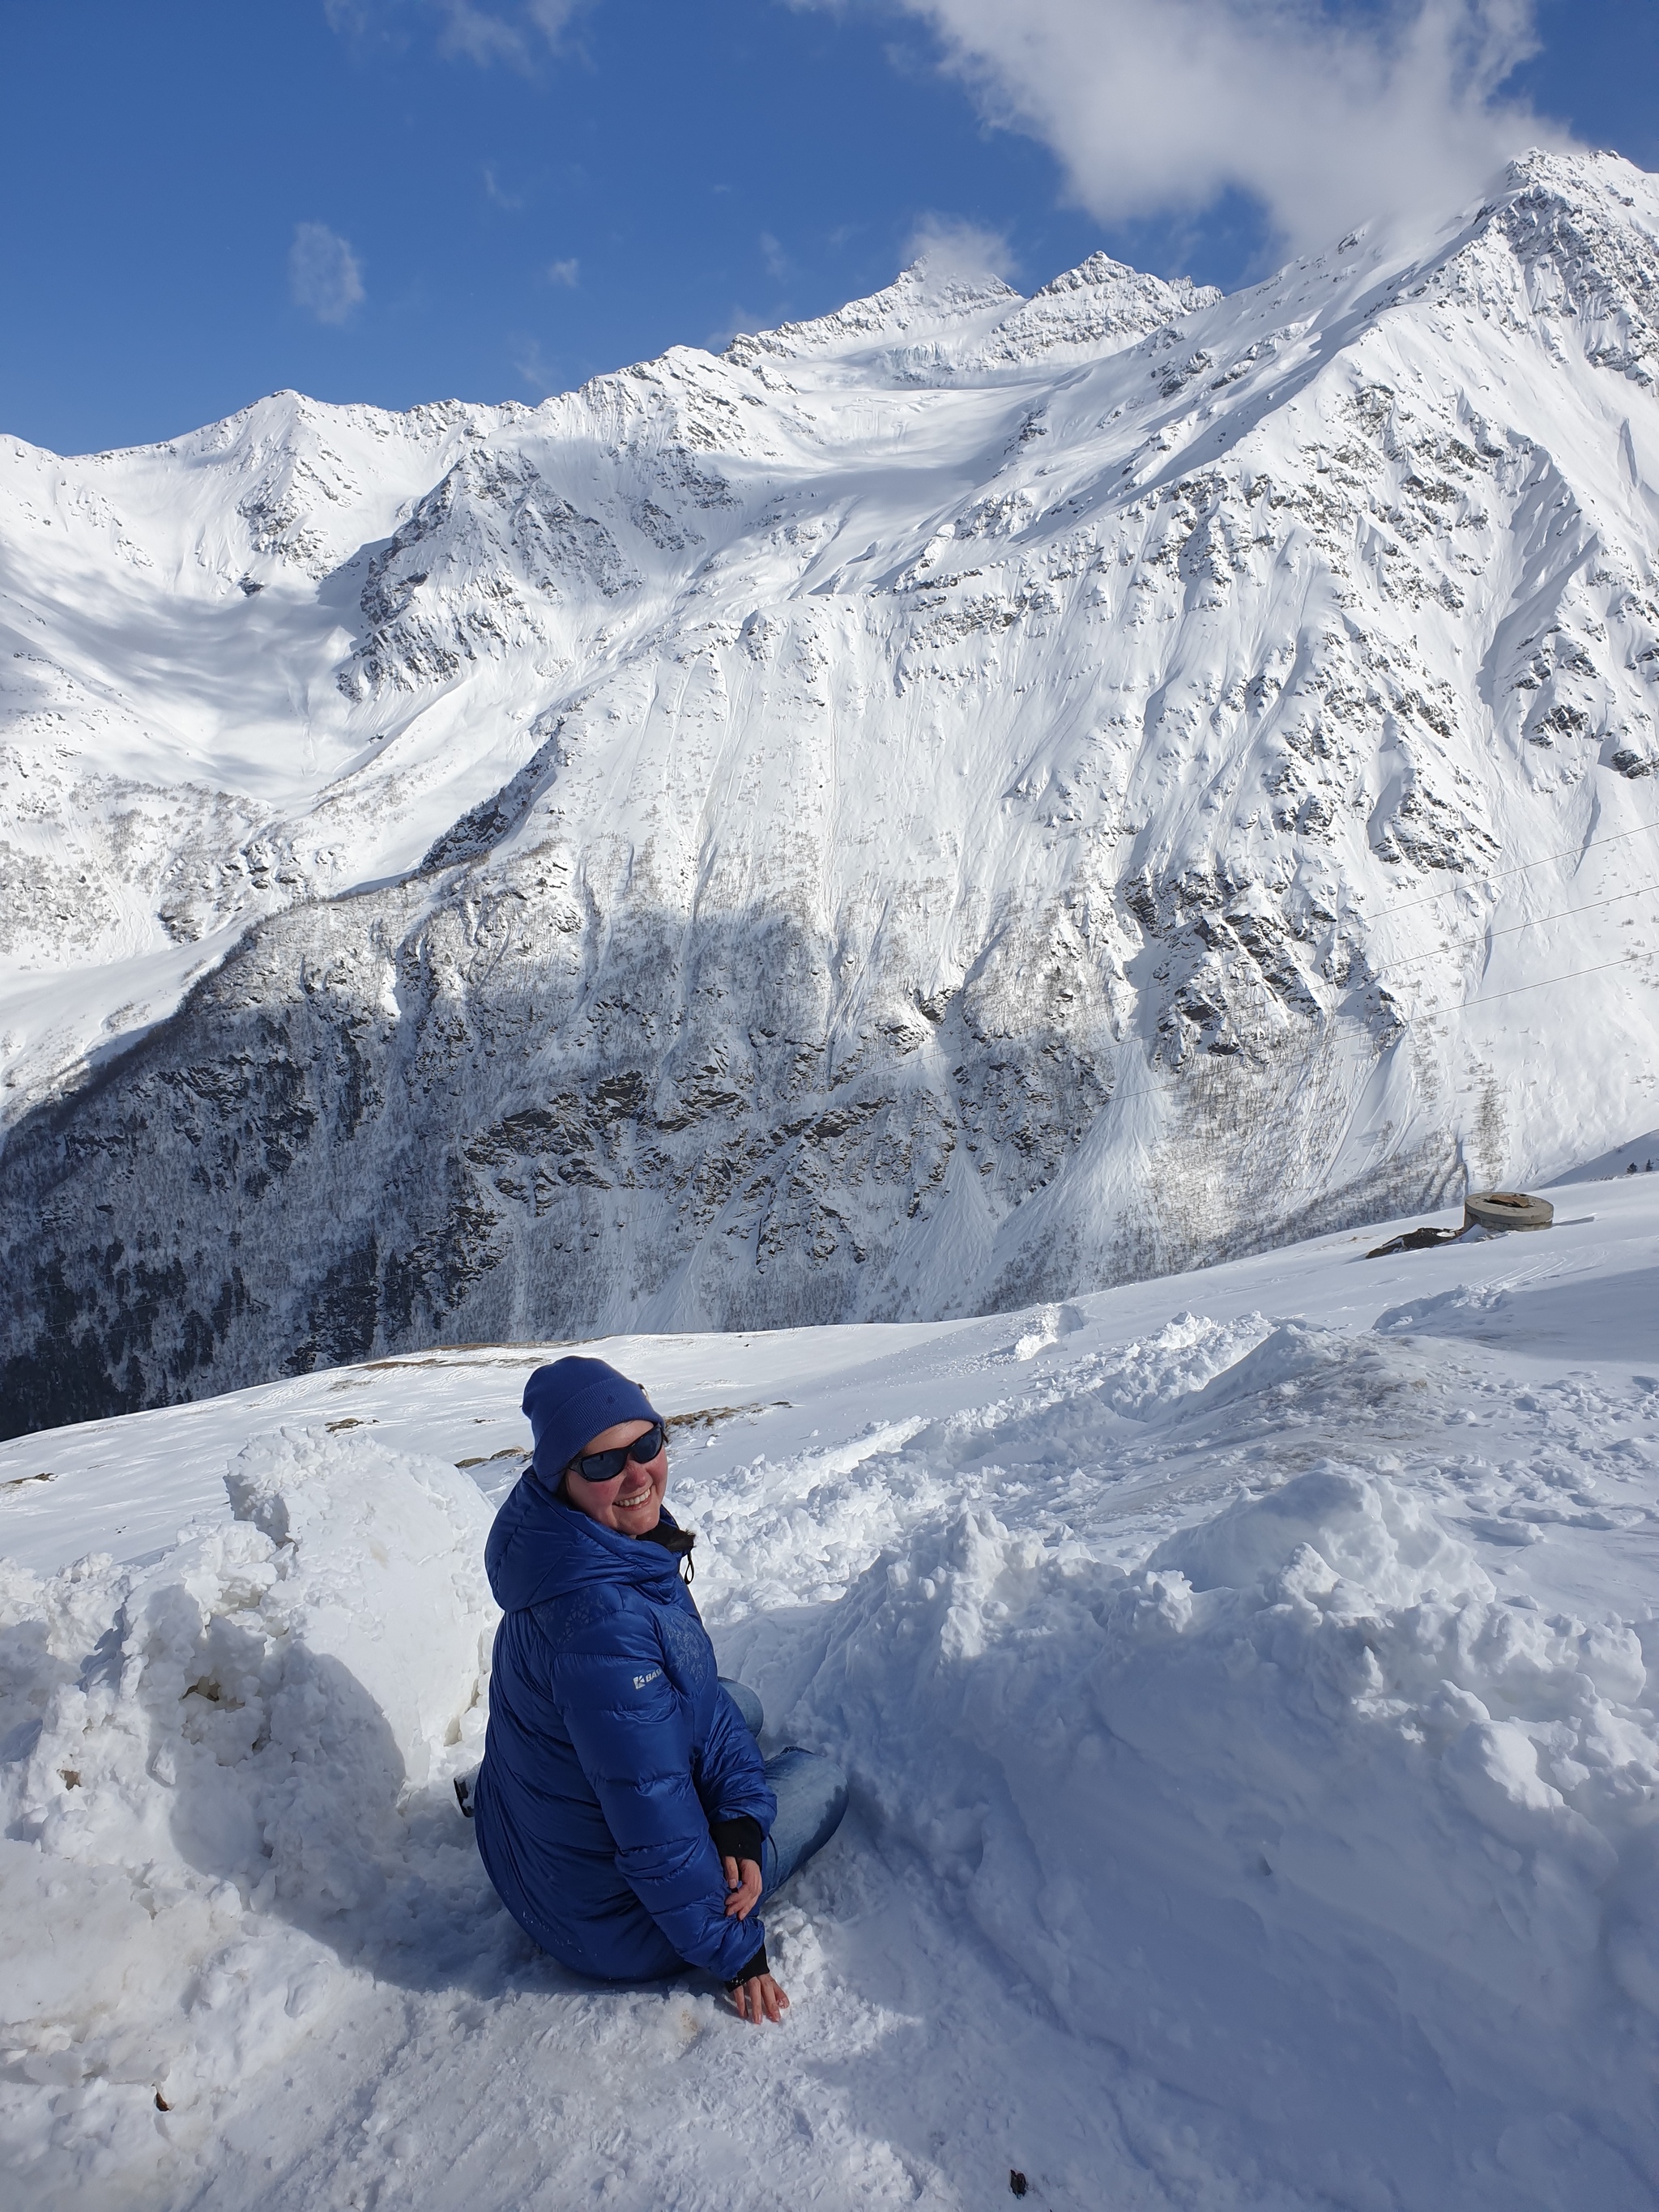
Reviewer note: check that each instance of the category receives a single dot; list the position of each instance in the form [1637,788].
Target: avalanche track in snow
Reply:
[1248,1683]
[965,801]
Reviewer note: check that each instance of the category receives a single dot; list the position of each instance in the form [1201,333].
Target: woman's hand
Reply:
[745,1886]
[760,1998]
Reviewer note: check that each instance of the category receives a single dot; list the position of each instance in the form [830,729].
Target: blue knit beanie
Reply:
[572,1401]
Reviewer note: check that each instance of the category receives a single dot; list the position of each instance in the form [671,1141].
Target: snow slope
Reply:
[964,800]
[1246,1680]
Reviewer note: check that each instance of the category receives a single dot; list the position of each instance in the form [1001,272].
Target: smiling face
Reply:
[632,1504]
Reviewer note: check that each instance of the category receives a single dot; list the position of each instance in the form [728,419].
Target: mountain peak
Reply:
[926,297]
[934,324]
[1093,309]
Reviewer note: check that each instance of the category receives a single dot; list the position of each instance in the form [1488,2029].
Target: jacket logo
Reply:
[640,1680]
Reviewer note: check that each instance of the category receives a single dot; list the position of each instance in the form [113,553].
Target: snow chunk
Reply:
[216,1765]
[1369,1533]
[386,1577]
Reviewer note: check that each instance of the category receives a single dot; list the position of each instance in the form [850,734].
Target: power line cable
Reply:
[1572,853]
[1432,1014]
[1537,921]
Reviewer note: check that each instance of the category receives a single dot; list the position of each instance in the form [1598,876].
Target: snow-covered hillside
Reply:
[1250,1683]
[959,801]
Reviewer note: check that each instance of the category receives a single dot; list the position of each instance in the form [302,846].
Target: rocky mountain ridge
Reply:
[958,802]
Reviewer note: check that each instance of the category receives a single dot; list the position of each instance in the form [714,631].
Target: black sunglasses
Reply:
[607,1465]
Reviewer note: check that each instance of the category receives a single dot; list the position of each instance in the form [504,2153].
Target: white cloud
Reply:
[538,372]
[477,35]
[774,260]
[563,272]
[951,247]
[323,274]
[552,17]
[1324,113]
[495,190]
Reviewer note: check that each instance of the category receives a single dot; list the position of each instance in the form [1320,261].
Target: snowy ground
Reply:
[1255,1761]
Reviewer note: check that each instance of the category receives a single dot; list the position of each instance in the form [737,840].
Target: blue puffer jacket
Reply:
[611,1746]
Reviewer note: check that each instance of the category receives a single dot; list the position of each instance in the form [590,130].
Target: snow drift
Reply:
[1303,1805]
[1321,1822]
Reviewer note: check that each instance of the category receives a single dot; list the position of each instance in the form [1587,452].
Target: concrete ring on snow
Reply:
[1506,1209]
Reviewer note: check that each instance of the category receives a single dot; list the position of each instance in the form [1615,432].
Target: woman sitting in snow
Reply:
[624,1812]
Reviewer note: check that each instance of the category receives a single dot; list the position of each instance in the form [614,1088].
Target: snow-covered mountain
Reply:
[962,800]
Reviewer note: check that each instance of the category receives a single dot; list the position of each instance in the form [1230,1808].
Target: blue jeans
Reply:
[811,1793]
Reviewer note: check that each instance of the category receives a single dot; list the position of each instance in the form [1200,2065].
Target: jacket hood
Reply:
[540,1548]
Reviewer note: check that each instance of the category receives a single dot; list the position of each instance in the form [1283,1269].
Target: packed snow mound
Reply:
[1307,1760]
[1370,1533]
[943,807]
[216,1763]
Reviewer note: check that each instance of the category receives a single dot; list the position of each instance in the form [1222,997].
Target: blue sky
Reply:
[398,200]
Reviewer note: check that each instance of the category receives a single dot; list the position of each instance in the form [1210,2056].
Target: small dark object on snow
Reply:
[463,1794]
[1414,1240]
[162,2104]
[1016,2181]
